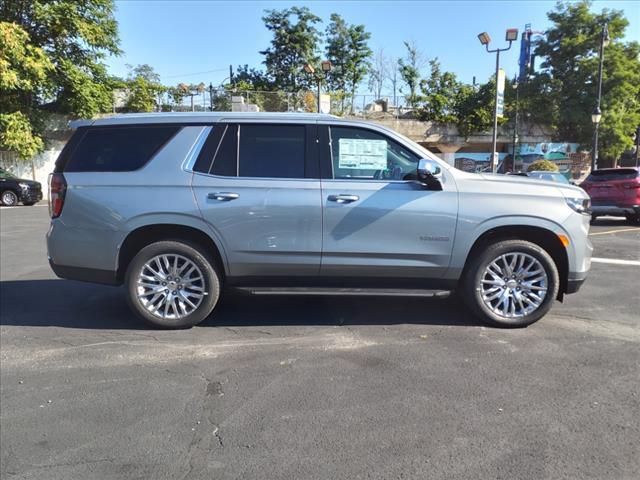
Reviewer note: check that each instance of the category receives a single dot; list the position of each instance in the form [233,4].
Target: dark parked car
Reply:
[14,190]
[614,191]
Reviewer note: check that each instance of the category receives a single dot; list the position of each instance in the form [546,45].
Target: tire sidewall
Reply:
[194,253]
[15,198]
[473,292]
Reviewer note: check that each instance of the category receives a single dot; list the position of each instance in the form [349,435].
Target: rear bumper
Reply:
[105,277]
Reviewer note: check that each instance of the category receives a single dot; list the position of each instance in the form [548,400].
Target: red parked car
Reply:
[614,191]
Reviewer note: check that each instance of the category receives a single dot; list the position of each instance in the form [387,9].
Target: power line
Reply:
[194,73]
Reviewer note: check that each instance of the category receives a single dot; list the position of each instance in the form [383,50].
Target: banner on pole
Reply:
[500,96]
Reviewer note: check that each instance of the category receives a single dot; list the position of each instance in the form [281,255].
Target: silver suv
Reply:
[178,206]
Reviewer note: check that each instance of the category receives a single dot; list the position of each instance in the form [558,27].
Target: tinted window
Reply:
[613,174]
[226,161]
[117,149]
[275,151]
[357,153]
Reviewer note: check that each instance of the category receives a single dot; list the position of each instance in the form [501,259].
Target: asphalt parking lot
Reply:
[326,388]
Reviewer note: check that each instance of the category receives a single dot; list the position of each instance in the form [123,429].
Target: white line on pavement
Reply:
[616,261]
[608,232]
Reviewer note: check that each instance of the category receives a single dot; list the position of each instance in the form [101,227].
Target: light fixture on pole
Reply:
[325,67]
[597,113]
[511,35]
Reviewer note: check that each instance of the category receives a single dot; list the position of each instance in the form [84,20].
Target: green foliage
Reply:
[441,92]
[348,51]
[143,89]
[17,136]
[474,108]
[409,68]
[24,75]
[294,44]
[568,80]
[543,165]
[51,52]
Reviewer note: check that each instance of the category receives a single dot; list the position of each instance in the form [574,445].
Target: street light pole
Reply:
[604,39]
[515,126]
[485,39]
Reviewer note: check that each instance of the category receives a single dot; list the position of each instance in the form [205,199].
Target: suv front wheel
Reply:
[172,284]
[512,283]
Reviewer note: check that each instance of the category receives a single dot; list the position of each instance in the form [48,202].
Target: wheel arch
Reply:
[146,234]
[543,237]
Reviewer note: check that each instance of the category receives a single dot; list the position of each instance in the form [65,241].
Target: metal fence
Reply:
[361,104]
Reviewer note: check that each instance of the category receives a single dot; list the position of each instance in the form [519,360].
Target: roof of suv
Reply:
[198,117]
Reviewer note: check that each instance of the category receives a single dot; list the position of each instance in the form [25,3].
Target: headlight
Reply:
[24,186]
[580,205]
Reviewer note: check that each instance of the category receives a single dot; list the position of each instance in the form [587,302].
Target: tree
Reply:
[378,73]
[440,94]
[76,37]
[358,59]
[568,79]
[63,44]
[337,52]
[294,44]
[348,51]
[24,71]
[144,88]
[474,108]
[409,69]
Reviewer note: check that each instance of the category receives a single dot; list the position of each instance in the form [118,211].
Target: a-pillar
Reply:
[448,152]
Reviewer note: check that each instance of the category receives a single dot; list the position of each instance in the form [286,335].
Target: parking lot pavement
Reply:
[315,388]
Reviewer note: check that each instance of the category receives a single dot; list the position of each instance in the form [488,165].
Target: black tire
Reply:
[593,219]
[471,282]
[633,218]
[9,198]
[194,253]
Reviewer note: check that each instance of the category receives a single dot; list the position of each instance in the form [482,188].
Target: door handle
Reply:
[343,198]
[223,196]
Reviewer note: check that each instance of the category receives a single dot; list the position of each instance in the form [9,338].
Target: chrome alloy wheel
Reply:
[170,286]
[514,285]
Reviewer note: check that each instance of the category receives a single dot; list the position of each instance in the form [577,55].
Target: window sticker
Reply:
[362,154]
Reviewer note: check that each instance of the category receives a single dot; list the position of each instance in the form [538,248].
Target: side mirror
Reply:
[429,173]
[428,168]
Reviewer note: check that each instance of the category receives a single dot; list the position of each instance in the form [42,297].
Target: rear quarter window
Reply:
[116,149]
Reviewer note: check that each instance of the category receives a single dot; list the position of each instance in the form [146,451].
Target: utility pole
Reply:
[597,113]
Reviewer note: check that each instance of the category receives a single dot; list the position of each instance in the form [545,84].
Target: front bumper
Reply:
[31,195]
[615,210]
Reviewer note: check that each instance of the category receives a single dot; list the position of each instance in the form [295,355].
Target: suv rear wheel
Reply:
[172,284]
[512,283]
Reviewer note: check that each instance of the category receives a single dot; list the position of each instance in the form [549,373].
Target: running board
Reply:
[375,292]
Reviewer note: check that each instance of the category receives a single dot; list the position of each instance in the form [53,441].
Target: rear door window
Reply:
[271,151]
[118,149]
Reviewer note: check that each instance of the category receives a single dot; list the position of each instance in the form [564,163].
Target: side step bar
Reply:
[375,292]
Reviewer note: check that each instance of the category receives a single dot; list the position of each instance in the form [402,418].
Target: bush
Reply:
[545,165]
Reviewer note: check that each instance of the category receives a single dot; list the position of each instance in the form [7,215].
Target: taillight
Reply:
[631,185]
[57,190]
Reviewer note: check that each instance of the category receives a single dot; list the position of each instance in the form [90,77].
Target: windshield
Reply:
[5,174]
[552,177]
[613,174]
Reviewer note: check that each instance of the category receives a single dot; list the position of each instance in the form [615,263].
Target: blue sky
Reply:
[182,38]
